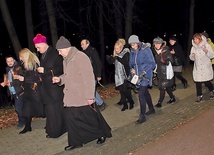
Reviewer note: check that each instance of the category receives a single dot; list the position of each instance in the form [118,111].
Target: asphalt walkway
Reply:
[128,138]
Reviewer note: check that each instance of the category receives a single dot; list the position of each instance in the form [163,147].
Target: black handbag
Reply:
[177,61]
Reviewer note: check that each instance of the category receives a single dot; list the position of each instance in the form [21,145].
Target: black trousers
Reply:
[208,84]
[163,92]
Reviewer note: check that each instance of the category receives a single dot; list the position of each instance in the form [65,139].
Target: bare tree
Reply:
[129,14]
[101,36]
[52,21]
[10,27]
[118,17]
[191,27]
[29,24]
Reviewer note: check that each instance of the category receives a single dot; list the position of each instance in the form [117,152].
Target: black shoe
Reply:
[158,105]
[101,140]
[174,87]
[140,120]
[185,85]
[150,112]
[171,100]
[102,106]
[25,130]
[124,107]
[70,147]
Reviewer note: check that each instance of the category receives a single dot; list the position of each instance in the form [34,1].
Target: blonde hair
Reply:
[31,60]
[121,43]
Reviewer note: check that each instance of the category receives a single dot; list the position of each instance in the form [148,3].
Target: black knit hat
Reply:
[173,38]
[62,43]
[205,34]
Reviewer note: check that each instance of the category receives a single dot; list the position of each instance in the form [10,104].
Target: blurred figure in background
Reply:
[15,87]
[209,41]
[201,53]
[93,55]
[179,59]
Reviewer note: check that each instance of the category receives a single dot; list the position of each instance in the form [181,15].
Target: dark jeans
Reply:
[163,92]
[145,98]
[19,107]
[208,84]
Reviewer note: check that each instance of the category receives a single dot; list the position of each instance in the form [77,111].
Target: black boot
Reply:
[27,126]
[185,84]
[131,106]
[125,106]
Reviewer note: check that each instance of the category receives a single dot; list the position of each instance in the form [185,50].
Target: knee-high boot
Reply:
[27,126]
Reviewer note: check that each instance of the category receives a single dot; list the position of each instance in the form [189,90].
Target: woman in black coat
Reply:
[33,106]
[179,59]
[163,57]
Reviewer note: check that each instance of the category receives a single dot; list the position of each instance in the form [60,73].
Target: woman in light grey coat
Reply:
[201,53]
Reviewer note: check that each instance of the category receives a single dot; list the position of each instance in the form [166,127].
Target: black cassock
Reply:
[52,94]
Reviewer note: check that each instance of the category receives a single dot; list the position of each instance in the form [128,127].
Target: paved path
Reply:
[195,137]
[128,138]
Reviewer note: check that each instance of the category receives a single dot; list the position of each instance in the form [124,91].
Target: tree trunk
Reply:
[101,36]
[10,27]
[29,24]
[128,20]
[191,27]
[118,18]
[52,21]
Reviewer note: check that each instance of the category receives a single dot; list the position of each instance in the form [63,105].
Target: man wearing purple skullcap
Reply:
[52,95]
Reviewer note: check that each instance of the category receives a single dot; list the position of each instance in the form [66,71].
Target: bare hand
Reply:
[172,51]
[91,101]
[40,69]
[55,79]
[193,54]
[133,71]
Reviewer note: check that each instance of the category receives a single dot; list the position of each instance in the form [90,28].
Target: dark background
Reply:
[151,18]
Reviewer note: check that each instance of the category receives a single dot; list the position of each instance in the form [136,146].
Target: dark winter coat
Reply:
[53,66]
[162,61]
[18,85]
[179,57]
[143,60]
[93,55]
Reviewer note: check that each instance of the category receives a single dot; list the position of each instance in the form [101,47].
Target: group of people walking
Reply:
[135,65]
[60,85]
